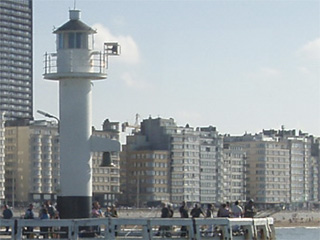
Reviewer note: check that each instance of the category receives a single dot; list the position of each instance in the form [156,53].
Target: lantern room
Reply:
[74,34]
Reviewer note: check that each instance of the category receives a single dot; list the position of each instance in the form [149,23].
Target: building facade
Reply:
[16,59]
[149,184]
[2,156]
[281,168]
[31,162]
[211,146]
[196,169]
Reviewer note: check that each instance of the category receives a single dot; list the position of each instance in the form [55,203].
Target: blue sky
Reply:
[241,66]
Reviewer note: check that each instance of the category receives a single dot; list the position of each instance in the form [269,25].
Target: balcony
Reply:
[80,63]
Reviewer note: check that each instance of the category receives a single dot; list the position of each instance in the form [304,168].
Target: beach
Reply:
[297,219]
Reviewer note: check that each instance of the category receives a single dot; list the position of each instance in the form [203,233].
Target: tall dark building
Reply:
[16,59]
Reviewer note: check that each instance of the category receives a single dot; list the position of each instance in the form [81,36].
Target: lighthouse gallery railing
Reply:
[97,62]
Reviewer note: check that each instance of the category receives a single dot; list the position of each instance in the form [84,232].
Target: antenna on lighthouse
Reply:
[74,4]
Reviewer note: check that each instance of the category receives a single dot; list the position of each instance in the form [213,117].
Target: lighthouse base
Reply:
[74,207]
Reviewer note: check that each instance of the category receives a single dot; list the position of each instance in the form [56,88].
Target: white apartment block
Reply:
[210,156]
[185,166]
[31,162]
[233,169]
[2,156]
[267,172]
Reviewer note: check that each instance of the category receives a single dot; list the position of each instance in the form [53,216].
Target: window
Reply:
[71,43]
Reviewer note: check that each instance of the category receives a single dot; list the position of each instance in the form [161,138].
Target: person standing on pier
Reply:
[96,213]
[249,210]
[29,215]
[196,211]
[7,214]
[209,214]
[165,213]
[184,214]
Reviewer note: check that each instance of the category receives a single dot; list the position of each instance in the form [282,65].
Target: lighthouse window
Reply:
[71,40]
[78,40]
[60,44]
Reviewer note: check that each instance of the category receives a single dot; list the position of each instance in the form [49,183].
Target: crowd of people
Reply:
[225,210]
[49,211]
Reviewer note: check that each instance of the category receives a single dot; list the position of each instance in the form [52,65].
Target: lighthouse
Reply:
[75,65]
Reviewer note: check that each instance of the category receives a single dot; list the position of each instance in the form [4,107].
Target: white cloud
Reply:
[311,50]
[269,72]
[266,73]
[134,82]
[129,49]
[304,70]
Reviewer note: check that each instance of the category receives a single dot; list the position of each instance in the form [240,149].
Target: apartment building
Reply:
[302,167]
[150,177]
[280,167]
[196,167]
[315,166]
[2,155]
[16,94]
[268,161]
[211,146]
[185,165]
[31,162]
[232,184]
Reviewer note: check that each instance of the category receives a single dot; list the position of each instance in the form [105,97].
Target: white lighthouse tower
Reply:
[75,65]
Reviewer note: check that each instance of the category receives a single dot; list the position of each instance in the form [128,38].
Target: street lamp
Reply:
[48,115]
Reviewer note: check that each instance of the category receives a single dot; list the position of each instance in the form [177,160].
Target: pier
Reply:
[141,229]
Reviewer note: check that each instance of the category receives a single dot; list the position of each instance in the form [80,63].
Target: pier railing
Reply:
[140,229]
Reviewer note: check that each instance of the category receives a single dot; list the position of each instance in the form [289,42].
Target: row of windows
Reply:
[17,82]
[9,75]
[23,12]
[45,189]
[16,6]
[156,189]
[16,89]
[149,156]
[208,155]
[20,25]
[105,170]
[106,179]
[187,154]
[276,186]
[210,184]
[184,161]
[8,107]
[13,56]
[185,146]
[15,40]
[150,164]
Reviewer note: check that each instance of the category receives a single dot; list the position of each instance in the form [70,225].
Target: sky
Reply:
[241,66]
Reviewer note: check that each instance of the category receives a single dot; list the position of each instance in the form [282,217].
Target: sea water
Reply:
[298,233]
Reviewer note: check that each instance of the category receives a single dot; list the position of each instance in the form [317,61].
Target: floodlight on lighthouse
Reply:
[112,48]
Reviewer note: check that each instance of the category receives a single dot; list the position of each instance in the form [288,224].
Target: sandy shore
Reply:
[297,219]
